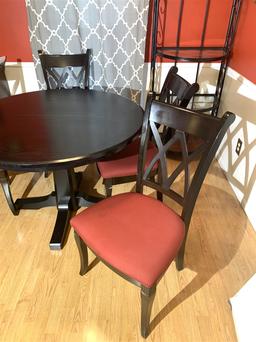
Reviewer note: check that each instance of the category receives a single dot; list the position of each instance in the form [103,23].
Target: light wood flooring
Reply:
[43,298]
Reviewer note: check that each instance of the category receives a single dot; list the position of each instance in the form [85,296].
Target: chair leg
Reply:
[147,298]
[159,196]
[180,256]
[180,260]
[83,252]
[108,187]
[46,174]
[4,180]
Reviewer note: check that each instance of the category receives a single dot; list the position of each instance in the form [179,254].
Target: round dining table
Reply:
[58,130]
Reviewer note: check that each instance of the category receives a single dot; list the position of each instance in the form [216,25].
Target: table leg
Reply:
[66,196]
[4,180]
[66,186]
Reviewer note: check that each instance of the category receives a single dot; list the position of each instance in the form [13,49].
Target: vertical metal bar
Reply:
[219,87]
[206,15]
[179,23]
[197,72]
[232,25]
[154,42]
[181,8]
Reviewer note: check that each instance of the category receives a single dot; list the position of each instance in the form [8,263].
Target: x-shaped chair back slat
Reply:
[210,132]
[66,71]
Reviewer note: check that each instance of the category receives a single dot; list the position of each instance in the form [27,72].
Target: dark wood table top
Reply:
[57,129]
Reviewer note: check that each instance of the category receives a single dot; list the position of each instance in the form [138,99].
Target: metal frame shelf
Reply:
[197,54]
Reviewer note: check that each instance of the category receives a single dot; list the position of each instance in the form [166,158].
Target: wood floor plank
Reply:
[43,297]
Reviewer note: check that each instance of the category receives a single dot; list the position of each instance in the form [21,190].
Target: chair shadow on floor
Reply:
[33,181]
[216,251]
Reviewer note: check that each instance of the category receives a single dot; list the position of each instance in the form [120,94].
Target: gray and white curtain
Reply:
[115,30]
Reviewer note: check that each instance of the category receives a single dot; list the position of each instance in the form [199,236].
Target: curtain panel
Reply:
[115,30]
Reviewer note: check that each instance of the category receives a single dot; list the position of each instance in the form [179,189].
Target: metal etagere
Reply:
[196,54]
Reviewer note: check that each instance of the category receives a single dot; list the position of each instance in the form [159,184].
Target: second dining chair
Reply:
[122,168]
[136,235]
[65,71]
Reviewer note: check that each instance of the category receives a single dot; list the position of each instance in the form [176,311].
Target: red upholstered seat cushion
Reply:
[134,233]
[125,162]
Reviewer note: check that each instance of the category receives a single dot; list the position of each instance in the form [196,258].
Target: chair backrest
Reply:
[4,88]
[210,131]
[65,71]
[176,90]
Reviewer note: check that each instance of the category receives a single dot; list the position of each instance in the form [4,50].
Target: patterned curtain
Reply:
[115,30]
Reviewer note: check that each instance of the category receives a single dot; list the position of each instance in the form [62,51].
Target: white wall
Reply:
[21,77]
[239,96]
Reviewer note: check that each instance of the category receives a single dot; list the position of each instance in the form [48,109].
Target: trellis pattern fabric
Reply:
[115,30]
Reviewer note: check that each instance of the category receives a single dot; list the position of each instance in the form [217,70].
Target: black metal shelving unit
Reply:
[196,54]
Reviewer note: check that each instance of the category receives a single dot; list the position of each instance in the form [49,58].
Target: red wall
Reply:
[193,21]
[244,53]
[14,37]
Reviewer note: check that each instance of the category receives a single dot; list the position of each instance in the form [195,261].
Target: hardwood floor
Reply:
[43,298]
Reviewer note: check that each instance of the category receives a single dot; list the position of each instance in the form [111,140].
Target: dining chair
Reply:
[4,176]
[136,235]
[122,168]
[65,71]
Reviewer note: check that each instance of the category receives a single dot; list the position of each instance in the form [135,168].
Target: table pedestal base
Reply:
[66,197]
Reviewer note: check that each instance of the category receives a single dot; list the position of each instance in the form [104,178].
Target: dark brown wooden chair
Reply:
[138,236]
[65,71]
[4,177]
[122,168]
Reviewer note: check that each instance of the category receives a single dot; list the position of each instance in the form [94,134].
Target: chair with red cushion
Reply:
[136,235]
[122,168]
